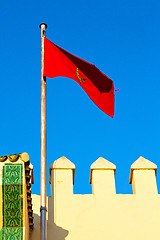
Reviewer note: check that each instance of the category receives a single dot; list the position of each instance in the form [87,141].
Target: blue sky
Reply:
[122,38]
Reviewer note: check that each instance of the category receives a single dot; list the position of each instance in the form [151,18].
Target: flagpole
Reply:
[43,208]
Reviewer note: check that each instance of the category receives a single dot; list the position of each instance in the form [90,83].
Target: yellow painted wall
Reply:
[103,214]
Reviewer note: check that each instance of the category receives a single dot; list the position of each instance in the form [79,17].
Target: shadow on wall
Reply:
[53,231]
[56,232]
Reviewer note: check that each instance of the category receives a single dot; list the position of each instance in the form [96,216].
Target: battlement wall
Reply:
[103,214]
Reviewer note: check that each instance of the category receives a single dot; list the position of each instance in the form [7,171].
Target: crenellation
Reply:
[91,216]
[143,177]
[102,177]
[62,176]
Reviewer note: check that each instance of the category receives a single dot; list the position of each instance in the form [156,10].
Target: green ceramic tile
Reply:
[11,234]
[12,205]
[12,174]
[12,194]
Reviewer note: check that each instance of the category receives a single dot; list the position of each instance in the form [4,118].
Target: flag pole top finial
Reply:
[42,25]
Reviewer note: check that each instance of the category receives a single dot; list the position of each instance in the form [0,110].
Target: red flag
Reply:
[99,87]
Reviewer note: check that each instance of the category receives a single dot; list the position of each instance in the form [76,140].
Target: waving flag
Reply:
[99,87]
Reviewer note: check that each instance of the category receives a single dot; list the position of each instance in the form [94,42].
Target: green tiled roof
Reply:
[24,157]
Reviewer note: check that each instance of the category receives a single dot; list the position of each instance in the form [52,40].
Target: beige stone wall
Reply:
[103,214]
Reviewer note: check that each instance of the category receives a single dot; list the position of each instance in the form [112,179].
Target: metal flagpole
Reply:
[43,208]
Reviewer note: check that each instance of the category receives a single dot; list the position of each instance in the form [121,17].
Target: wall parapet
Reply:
[85,216]
[102,176]
[143,177]
[97,215]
